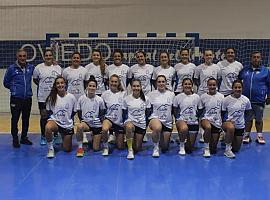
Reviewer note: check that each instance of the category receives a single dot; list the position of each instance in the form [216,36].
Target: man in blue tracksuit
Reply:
[18,79]
[256,81]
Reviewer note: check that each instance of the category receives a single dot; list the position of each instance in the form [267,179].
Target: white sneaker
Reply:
[155,153]
[229,154]
[111,139]
[130,155]
[50,153]
[105,152]
[182,151]
[206,153]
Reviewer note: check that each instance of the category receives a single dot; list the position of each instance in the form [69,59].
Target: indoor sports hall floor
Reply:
[26,173]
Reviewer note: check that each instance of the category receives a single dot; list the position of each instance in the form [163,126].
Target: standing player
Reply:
[211,122]
[62,107]
[113,99]
[90,108]
[44,75]
[97,69]
[205,71]
[142,71]
[185,111]
[118,68]
[184,69]
[234,109]
[160,123]
[256,79]
[136,108]
[165,69]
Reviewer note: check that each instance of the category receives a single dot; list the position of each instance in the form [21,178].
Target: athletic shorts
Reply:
[255,113]
[139,130]
[41,105]
[116,128]
[215,130]
[65,131]
[193,128]
[95,130]
[166,129]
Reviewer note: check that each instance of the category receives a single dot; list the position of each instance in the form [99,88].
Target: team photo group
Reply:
[118,103]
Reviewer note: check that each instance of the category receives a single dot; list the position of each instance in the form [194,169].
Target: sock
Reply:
[260,134]
[206,145]
[156,145]
[105,145]
[129,143]
[182,144]
[80,144]
[228,147]
[50,145]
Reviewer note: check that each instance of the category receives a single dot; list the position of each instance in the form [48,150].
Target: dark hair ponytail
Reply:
[92,79]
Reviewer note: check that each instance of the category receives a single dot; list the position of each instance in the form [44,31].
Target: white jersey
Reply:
[169,73]
[144,74]
[188,107]
[122,71]
[203,72]
[91,108]
[212,105]
[161,103]
[183,71]
[113,104]
[235,107]
[94,70]
[46,76]
[136,110]
[229,73]
[62,111]
[75,79]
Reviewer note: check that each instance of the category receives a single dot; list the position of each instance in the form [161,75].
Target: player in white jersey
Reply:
[205,71]
[229,69]
[185,109]
[184,69]
[234,109]
[136,109]
[161,122]
[91,109]
[75,75]
[165,69]
[43,76]
[61,106]
[113,99]
[97,69]
[118,68]
[142,71]
[211,121]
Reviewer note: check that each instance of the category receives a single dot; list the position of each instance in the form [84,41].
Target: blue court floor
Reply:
[26,173]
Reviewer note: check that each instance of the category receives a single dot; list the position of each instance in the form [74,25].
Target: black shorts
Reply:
[95,130]
[41,105]
[215,130]
[239,131]
[166,129]
[65,131]
[139,130]
[193,128]
[116,128]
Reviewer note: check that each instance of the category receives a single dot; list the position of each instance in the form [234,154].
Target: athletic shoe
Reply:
[206,153]
[85,140]
[260,140]
[155,153]
[182,151]
[130,155]
[229,154]
[50,153]
[105,152]
[26,141]
[80,152]
[16,143]
[57,139]
[43,140]
[111,139]
[246,139]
